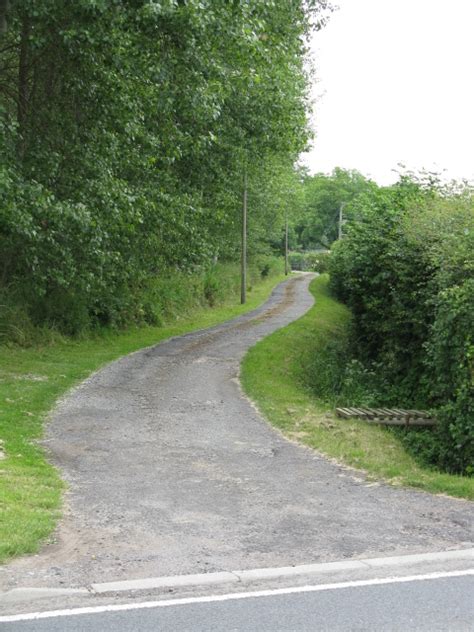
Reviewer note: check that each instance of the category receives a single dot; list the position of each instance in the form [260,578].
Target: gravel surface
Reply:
[171,470]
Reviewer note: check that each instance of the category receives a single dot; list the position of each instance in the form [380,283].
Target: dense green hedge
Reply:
[406,270]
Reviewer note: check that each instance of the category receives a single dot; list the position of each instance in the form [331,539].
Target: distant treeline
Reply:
[126,127]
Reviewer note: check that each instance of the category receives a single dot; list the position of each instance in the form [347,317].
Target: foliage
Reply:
[282,375]
[317,224]
[165,298]
[406,270]
[127,126]
[317,261]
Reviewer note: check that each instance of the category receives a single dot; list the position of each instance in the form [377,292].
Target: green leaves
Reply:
[127,125]
[406,269]
[324,196]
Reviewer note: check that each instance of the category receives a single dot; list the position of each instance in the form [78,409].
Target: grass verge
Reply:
[31,380]
[272,377]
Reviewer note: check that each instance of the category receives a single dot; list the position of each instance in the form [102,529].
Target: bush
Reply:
[406,270]
[451,363]
[155,300]
[266,266]
[310,261]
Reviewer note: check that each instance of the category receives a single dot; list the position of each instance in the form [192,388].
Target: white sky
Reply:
[395,84]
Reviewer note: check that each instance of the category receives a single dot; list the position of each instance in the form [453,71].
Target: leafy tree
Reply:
[127,126]
[324,196]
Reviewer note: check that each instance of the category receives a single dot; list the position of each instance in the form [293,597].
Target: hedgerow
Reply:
[406,269]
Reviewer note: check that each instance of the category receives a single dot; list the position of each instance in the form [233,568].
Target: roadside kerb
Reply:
[173,581]
[242,577]
[258,574]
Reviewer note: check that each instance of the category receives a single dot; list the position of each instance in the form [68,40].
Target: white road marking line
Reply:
[231,596]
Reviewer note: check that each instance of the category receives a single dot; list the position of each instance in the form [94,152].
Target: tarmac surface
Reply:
[424,605]
[172,471]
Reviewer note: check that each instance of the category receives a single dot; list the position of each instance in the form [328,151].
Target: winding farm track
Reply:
[171,470]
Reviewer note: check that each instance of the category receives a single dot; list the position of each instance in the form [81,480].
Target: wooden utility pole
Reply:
[287,268]
[243,261]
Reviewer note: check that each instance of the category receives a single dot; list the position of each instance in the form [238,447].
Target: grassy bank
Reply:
[33,378]
[272,377]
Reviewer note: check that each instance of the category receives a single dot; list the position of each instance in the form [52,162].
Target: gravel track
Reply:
[171,470]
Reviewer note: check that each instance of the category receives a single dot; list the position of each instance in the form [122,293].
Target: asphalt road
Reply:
[445,604]
[172,471]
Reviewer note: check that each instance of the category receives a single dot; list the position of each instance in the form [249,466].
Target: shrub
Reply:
[263,266]
[310,261]
[406,270]
[153,301]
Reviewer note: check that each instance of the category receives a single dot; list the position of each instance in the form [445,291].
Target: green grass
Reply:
[31,381]
[271,376]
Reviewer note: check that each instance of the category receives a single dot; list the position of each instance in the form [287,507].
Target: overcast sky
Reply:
[395,84]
